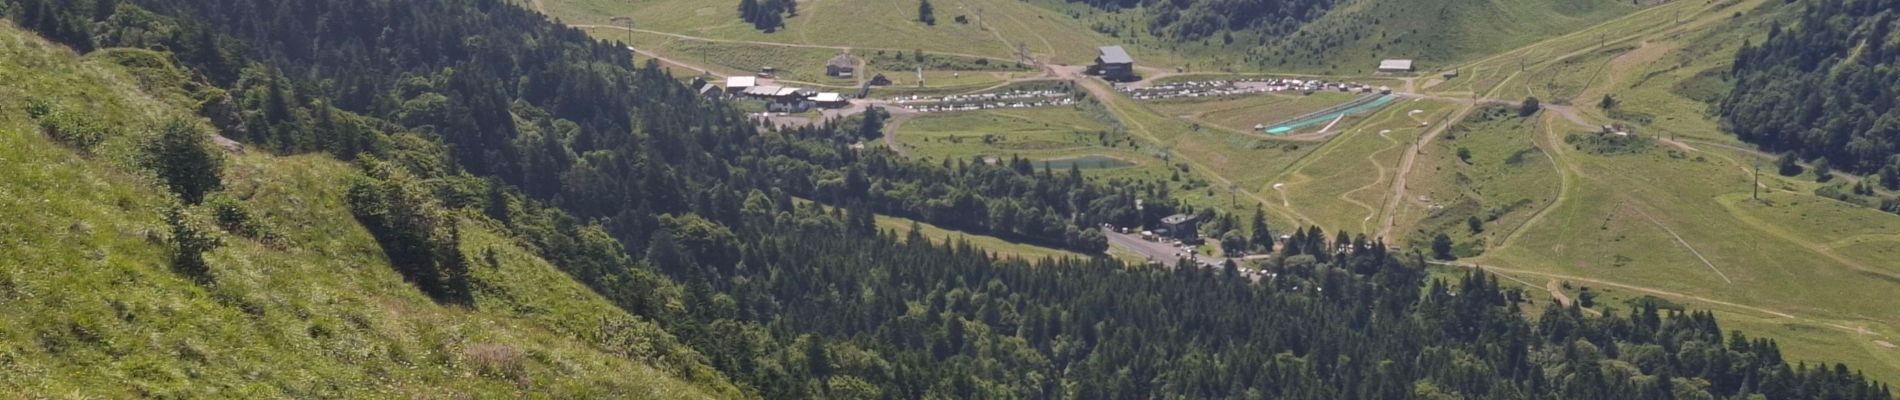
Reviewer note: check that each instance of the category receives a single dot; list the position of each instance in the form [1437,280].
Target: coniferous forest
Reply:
[1826,88]
[758,248]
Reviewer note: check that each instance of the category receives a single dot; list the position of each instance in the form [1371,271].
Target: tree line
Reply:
[767,15]
[1824,89]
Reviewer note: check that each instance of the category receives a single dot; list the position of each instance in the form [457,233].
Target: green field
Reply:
[1616,223]
[995,32]
[806,65]
[1039,133]
[997,247]
[1800,340]
[1504,178]
[1795,267]
[1436,33]
[1242,113]
[1343,184]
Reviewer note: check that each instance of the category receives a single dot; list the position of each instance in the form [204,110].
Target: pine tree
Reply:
[183,159]
[190,240]
[926,14]
[749,11]
[1441,247]
[1262,234]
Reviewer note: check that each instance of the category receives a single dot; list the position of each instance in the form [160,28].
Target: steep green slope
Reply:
[1436,33]
[315,310]
[1351,37]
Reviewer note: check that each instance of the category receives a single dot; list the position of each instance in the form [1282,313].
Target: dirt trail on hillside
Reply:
[1372,158]
[890,133]
[1600,282]
[1557,293]
[1565,175]
[1684,243]
[1399,181]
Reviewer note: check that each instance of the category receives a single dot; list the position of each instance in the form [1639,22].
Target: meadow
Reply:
[993,29]
[1488,167]
[997,247]
[1242,113]
[96,310]
[1676,218]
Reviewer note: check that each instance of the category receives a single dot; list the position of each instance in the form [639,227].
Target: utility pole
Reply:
[1757,185]
[629,22]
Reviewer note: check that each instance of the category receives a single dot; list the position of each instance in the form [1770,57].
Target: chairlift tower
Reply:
[1757,185]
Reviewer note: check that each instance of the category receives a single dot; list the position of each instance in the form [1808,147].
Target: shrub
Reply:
[182,158]
[1530,106]
[231,215]
[190,240]
[80,132]
[420,239]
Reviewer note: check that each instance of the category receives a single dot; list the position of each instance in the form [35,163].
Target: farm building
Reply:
[707,88]
[840,66]
[782,98]
[1395,66]
[830,100]
[762,92]
[737,84]
[1114,64]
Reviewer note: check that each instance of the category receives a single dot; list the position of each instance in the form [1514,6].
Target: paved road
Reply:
[1167,254]
[1157,251]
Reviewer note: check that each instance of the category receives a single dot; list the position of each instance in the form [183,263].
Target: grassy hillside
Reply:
[992,28]
[1488,167]
[1669,213]
[1436,33]
[95,310]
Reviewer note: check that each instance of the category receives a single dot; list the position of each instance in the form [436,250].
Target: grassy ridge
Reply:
[94,309]
[1436,33]
[1617,215]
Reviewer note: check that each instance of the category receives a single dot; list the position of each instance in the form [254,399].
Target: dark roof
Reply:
[1115,55]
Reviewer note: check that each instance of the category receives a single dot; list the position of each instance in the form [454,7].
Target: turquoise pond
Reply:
[1361,105]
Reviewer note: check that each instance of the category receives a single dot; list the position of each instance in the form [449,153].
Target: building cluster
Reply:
[777,98]
[1218,88]
[985,101]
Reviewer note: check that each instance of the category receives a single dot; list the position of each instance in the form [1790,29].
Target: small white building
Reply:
[1395,65]
[829,100]
[740,83]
